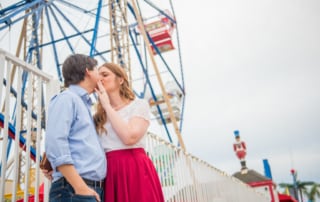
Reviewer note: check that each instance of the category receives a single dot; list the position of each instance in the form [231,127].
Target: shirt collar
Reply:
[82,93]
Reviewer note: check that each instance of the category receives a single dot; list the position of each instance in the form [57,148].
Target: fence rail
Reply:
[185,177]
[24,94]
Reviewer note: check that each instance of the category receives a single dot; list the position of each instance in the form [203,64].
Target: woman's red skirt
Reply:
[131,177]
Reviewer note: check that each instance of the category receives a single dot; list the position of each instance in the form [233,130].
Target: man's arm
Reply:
[60,117]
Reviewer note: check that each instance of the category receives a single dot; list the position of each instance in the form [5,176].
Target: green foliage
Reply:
[310,189]
[313,192]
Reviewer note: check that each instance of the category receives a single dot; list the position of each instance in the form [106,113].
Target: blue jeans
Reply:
[62,191]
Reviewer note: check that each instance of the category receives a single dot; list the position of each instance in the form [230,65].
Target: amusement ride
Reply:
[140,35]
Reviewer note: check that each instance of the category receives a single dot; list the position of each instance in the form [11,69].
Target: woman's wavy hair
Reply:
[126,93]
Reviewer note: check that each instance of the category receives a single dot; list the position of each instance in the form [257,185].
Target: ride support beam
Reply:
[164,93]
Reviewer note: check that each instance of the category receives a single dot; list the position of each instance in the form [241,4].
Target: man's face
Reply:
[94,76]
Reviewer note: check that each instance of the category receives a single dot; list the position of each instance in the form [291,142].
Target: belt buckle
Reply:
[98,183]
[95,183]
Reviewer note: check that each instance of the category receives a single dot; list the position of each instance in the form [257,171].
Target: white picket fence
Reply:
[184,178]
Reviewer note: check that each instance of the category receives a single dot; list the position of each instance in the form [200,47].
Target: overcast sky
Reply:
[253,66]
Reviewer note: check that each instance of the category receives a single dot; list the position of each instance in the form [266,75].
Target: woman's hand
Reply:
[103,96]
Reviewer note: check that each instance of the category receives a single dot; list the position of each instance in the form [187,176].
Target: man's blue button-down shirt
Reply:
[71,137]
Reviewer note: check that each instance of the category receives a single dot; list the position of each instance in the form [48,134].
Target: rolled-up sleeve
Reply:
[61,113]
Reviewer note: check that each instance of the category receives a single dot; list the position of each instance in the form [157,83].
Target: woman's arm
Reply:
[129,132]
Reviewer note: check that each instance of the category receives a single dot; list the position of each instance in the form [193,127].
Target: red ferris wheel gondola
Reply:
[160,31]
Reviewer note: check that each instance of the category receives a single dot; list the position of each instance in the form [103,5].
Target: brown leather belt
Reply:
[93,183]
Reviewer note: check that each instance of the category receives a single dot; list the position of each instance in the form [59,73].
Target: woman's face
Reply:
[109,80]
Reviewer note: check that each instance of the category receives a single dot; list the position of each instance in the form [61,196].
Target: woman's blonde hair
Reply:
[126,93]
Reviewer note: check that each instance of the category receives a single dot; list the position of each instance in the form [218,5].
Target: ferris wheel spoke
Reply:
[89,12]
[14,10]
[77,30]
[95,30]
[53,45]
[65,37]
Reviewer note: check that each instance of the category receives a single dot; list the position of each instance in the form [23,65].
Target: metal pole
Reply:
[295,185]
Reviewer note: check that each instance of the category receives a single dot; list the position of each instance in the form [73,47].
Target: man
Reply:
[72,145]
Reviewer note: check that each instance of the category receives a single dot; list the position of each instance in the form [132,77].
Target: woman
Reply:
[122,122]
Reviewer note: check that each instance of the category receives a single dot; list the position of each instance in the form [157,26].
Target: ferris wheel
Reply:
[142,36]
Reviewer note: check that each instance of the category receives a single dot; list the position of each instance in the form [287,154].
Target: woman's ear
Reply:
[121,81]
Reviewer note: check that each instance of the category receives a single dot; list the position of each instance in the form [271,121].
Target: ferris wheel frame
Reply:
[16,13]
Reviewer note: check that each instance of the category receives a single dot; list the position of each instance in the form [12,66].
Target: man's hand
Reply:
[47,174]
[87,191]
[75,180]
